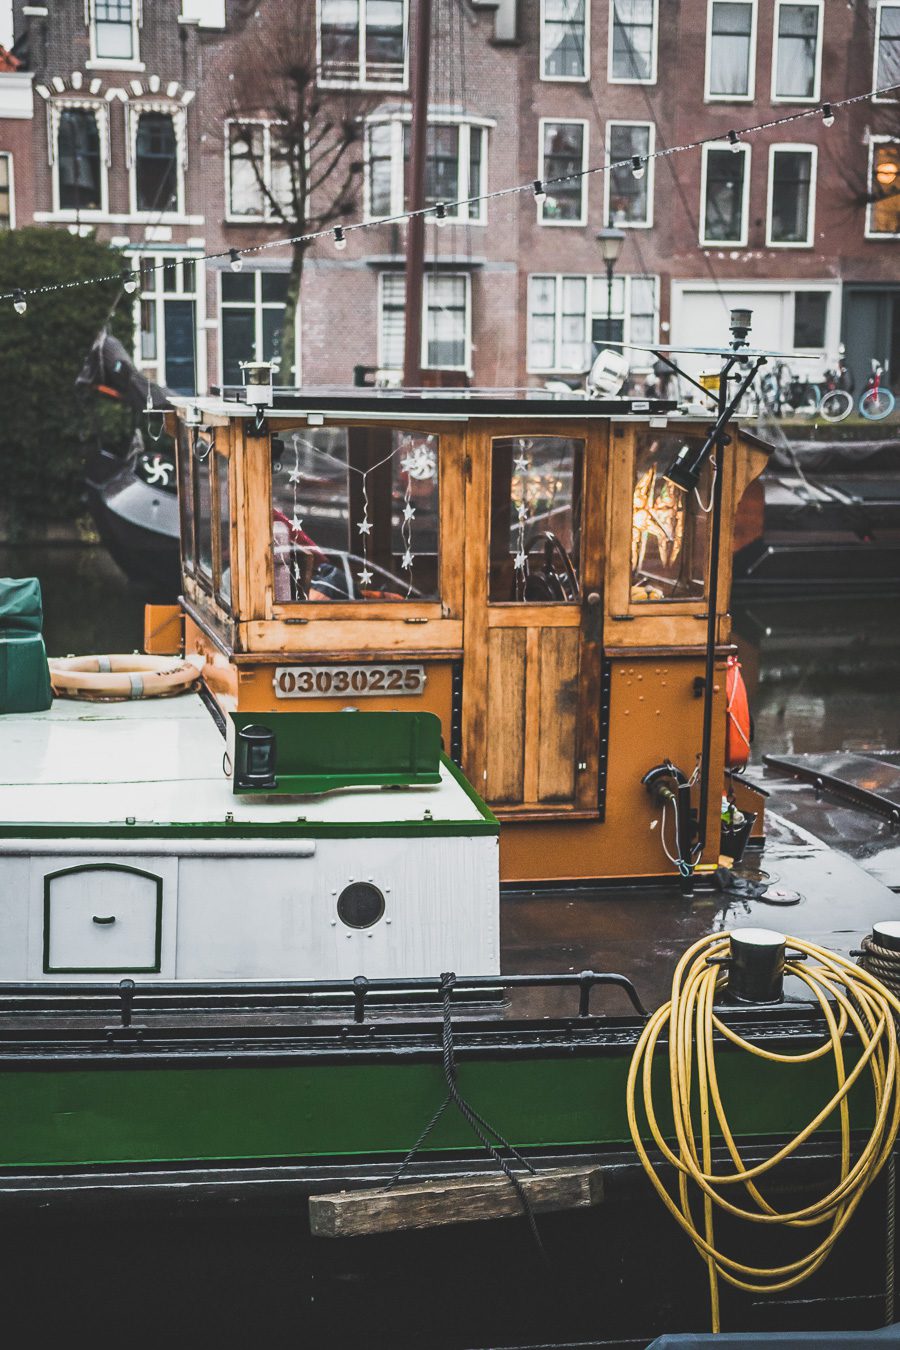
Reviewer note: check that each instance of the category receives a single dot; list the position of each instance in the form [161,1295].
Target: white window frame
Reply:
[873,141]
[568,79]
[593,283]
[386,85]
[649,175]
[55,108]
[258,305]
[268,214]
[747,151]
[133,62]
[708,96]
[467,276]
[614,79]
[820,35]
[586,131]
[158,297]
[396,122]
[8,156]
[178,115]
[797,147]
[882,6]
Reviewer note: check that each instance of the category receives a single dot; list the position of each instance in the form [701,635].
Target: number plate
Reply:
[347,681]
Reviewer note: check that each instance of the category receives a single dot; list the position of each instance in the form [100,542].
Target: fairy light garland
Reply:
[537,187]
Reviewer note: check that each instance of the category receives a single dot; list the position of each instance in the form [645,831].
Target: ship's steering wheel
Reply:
[558,580]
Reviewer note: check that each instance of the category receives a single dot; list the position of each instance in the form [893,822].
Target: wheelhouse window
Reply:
[887,45]
[363,43]
[203,462]
[114,30]
[79,161]
[724,192]
[633,38]
[731,49]
[797,56]
[536,490]
[455,168]
[883,217]
[569,318]
[564,39]
[186,495]
[629,199]
[259,172]
[446,339]
[355,515]
[669,528]
[252,319]
[7,209]
[791,195]
[156,163]
[563,161]
[223,513]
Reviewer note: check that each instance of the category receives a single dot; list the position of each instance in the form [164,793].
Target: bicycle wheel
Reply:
[836,405]
[876,404]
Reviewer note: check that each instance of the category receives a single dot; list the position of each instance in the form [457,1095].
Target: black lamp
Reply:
[254,765]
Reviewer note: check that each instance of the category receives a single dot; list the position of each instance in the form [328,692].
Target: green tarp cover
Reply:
[24,677]
[21,610]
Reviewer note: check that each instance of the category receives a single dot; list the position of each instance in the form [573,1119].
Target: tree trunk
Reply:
[289,372]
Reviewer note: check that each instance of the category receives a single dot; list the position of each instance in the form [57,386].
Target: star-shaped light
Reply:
[519,562]
[294,476]
[364,577]
[521,464]
[365,525]
[406,561]
[296,522]
[409,512]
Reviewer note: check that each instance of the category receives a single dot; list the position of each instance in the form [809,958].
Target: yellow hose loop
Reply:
[848,998]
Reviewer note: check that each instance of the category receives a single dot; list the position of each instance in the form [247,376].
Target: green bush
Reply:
[47,431]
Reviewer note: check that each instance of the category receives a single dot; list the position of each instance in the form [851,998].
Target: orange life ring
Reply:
[737,716]
[117,678]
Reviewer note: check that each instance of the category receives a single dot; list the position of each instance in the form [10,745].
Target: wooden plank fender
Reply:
[452,1200]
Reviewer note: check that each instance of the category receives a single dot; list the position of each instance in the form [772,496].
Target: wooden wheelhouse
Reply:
[521,568]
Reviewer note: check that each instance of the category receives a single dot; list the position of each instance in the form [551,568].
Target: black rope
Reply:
[479,1126]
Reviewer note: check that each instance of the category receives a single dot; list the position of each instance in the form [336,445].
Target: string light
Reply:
[340,239]
[129,282]
[20,304]
[537,186]
[638,168]
[440,213]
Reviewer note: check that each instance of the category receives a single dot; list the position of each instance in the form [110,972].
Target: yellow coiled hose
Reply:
[847,996]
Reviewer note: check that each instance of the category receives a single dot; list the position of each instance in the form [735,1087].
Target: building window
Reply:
[114,30]
[632,48]
[446,337]
[363,42]
[166,321]
[455,168]
[887,45]
[731,49]
[156,163]
[79,161]
[810,319]
[259,173]
[7,205]
[564,39]
[797,58]
[724,194]
[883,216]
[570,318]
[563,158]
[252,319]
[629,199]
[792,175]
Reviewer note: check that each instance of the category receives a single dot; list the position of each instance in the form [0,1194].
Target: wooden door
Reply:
[534,617]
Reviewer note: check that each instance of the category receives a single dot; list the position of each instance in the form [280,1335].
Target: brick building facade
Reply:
[801,221]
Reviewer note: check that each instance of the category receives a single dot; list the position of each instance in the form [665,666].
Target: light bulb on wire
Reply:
[20,304]
[237,261]
[638,167]
[540,194]
[440,213]
[734,142]
[129,282]
[340,239]
[828,114]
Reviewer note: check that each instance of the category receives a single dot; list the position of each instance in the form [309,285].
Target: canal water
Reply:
[822,673]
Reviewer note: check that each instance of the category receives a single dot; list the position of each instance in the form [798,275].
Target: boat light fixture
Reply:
[340,239]
[828,114]
[254,765]
[237,261]
[129,281]
[638,167]
[734,141]
[258,379]
[540,193]
[20,304]
[740,321]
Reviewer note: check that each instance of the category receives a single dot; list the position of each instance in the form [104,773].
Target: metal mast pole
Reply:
[415,236]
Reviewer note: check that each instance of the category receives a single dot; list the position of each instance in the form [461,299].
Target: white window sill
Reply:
[728,98]
[877,235]
[374,87]
[107,63]
[789,243]
[564,79]
[104,217]
[723,243]
[259,220]
[786,99]
[562,224]
[612,80]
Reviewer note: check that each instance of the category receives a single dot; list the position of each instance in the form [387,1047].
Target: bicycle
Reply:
[836,402]
[876,401]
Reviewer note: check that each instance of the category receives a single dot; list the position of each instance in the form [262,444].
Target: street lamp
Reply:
[610,240]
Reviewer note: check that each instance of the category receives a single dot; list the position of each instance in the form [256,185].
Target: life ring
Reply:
[737,715]
[118,678]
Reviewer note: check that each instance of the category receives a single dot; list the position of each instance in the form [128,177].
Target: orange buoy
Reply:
[737,717]
[121,677]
